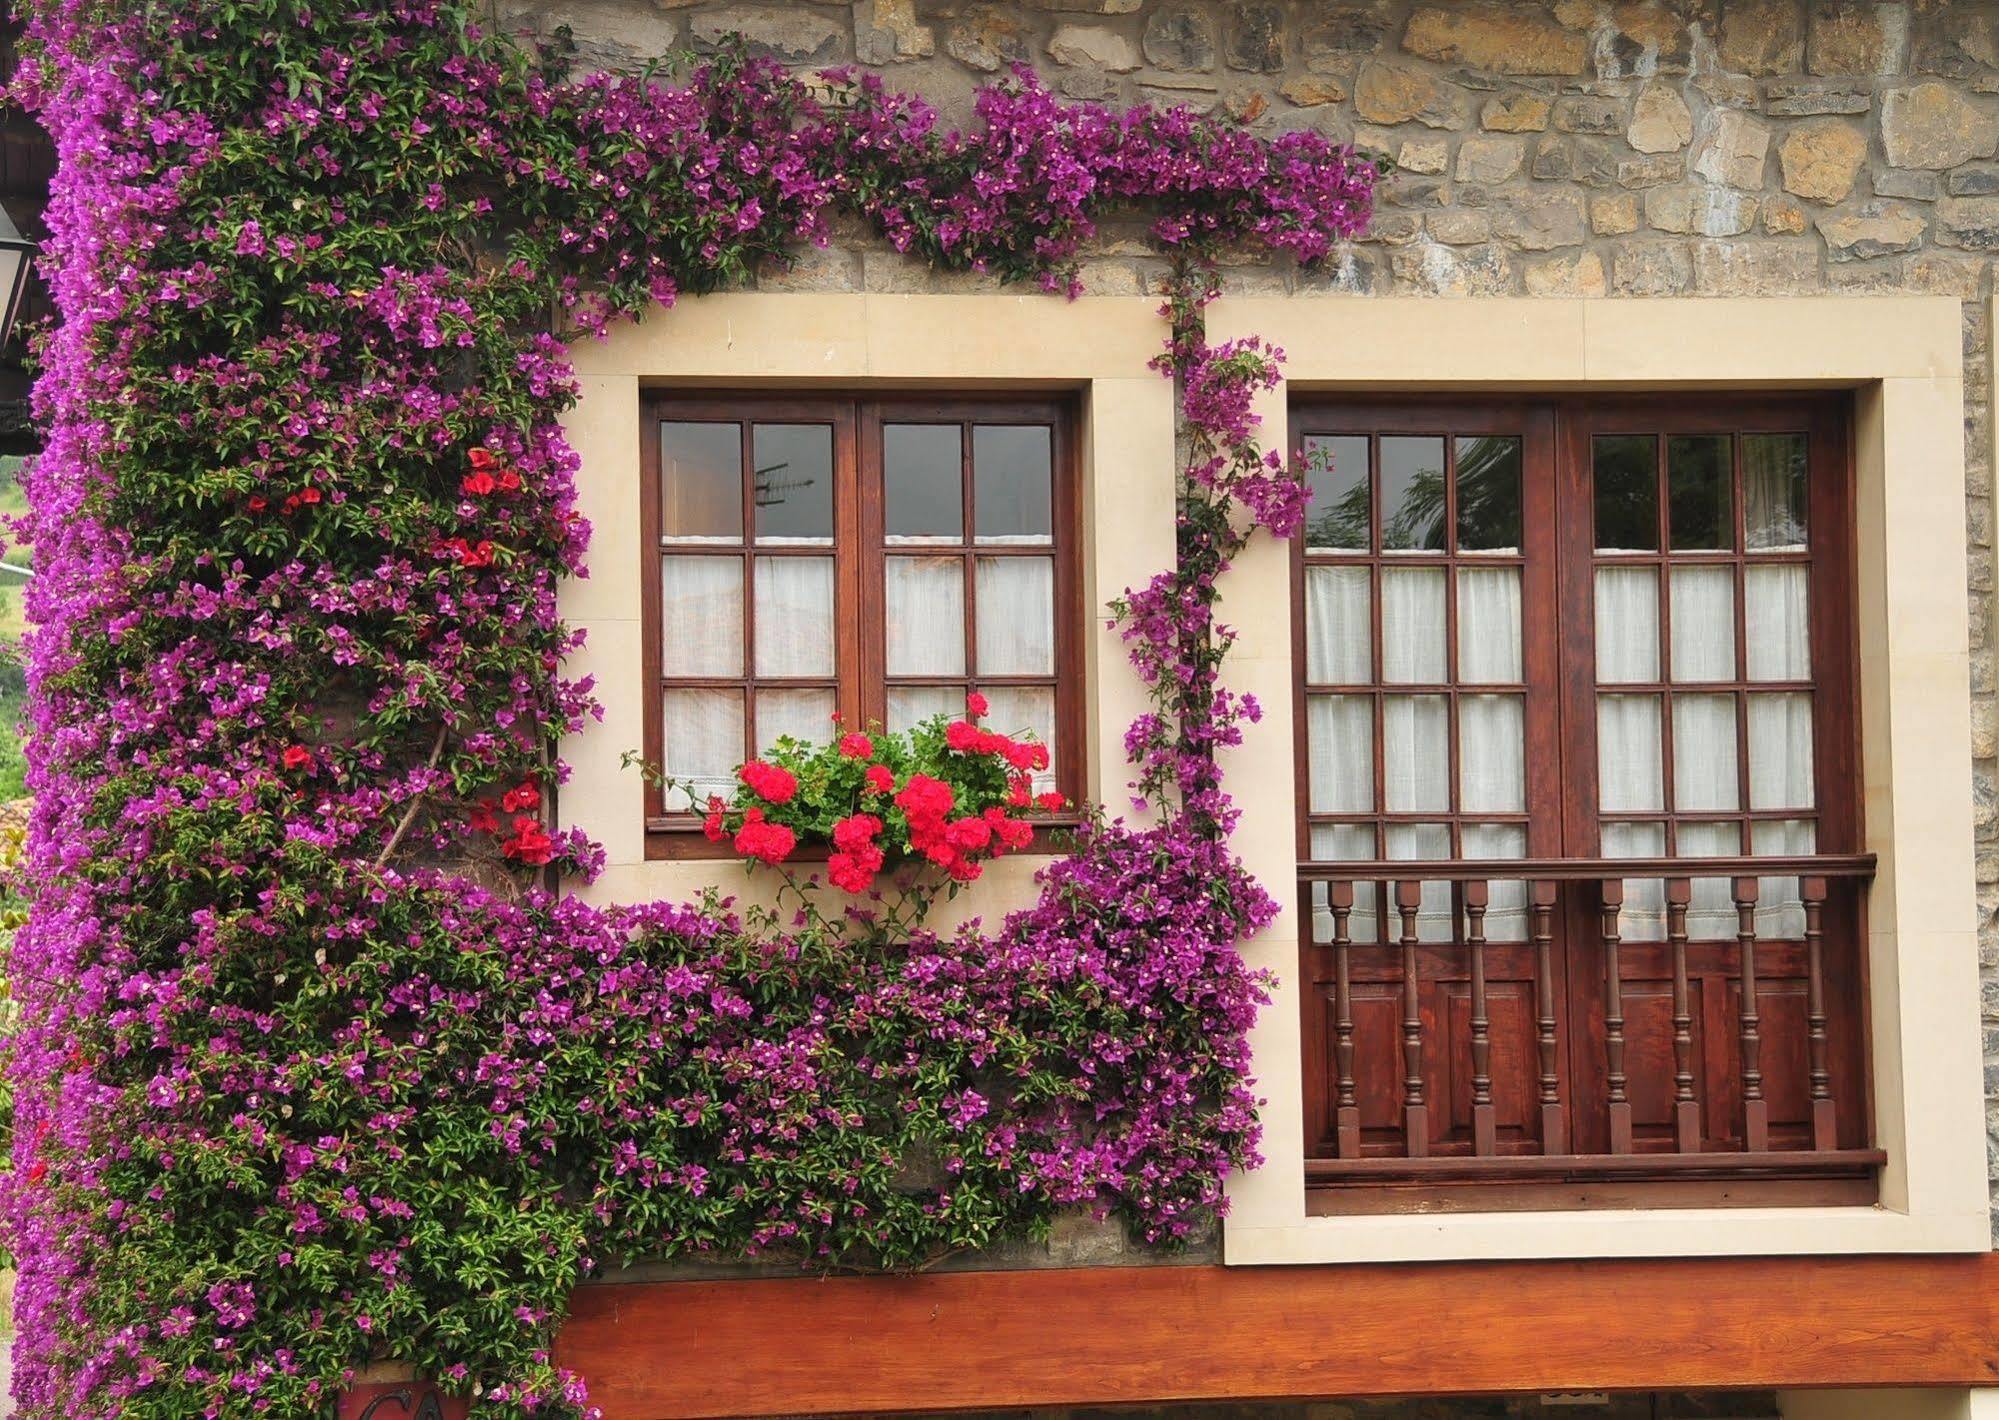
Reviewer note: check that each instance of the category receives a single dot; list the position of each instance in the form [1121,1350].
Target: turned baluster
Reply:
[1340,896]
[1755,1109]
[1484,1119]
[1612,898]
[1686,1110]
[1824,1132]
[1554,1127]
[1415,1113]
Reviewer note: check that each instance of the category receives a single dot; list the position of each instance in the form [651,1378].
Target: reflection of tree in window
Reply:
[1488,494]
[1336,472]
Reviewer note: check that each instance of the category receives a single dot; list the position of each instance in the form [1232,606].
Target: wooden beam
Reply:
[992,1340]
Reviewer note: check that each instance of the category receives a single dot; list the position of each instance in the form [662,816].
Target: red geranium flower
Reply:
[976,704]
[856,831]
[1050,801]
[766,842]
[769,781]
[856,745]
[879,779]
[712,825]
[962,735]
[297,756]
[970,834]
[1020,791]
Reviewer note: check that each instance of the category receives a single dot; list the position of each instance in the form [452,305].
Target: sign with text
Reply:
[402,1400]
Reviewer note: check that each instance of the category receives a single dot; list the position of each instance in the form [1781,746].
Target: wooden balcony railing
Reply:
[1568,969]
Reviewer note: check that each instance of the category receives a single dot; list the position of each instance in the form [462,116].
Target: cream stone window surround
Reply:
[753,342]
[1902,357]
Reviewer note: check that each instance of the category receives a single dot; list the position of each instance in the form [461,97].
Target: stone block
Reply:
[788,32]
[1256,37]
[1391,92]
[1660,121]
[887,32]
[1651,269]
[1762,36]
[1700,210]
[1785,217]
[1857,37]
[1588,113]
[1932,125]
[1755,268]
[1490,160]
[1579,275]
[1733,149]
[1496,39]
[1434,270]
[1969,222]
[1912,183]
[1429,156]
[1180,38]
[1651,171]
[1809,100]
[1516,113]
[1613,214]
[1313,90]
[1459,226]
[1543,220]
[1974,180]
[1092,47]
[1877,229]
[1821,158]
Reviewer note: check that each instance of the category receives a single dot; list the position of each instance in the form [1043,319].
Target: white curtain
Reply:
[1703,623]
[1778,622]
[1627,753]
[1711,913]
[1345,843]
[704,743]
[1338,634]
[1780,751]
[794,616]
[1780,911]
[1416,754]
[1025,710]
[1489,625]
[1491,769]
[1506,907]
[1412,626]
[701,616]
[1704,774]
[1340,747]
[1642,917]
[926,615]
[1016,615]
[803,714]
[911,704]
[1627,625]
[1424,842]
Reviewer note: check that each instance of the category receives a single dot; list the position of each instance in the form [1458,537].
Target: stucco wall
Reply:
[1583,148]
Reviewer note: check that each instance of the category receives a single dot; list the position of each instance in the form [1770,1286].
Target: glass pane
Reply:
[1489,494]
[1025,711]
[923,483]
[1627,492]
[1339,742]
[1412,494]
[1416,753]
[793,482]
[1643,917]
[1773,490]
[1506,902]
[1627,625]
[1336,474]
[701,482]
[1436,920]
[1780,911]
[1704,753]
[701,616]
[1703,623]
[1628,767]
[803,714]
[1779,631]
[910,705]
[1013,482]
[704,743]
[1345,843]
[1711,910]
[1016,615]
[794,616]
[1338,634]
[1412,626]
[1492,774]
[926,615]
[1489,625]
[1780,752]
[1700,501]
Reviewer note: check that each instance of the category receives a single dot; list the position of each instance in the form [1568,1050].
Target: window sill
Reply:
[678,838]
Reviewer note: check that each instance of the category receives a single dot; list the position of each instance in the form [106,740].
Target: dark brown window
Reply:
[1611,641]
[874,559]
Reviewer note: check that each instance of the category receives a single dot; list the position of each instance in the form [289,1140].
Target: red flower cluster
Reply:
[297,756]
[855,745]
[469,554]
[856,857]
[878,780]
[967,738]
[527,796]
[530,843]
[766,842]
[768,781]
[482,480]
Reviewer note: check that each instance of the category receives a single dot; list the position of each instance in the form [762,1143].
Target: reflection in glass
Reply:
[1412,493]
[701,482]
[1700,505]
[793,488]
[1773,490]
[923,485]
[1627,492]
[1013,482]
[1489,494]
[1336,474]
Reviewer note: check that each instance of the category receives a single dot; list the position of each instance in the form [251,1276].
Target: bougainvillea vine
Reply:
[313,1072]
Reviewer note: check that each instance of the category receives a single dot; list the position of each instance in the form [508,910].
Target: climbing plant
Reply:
[313,1070]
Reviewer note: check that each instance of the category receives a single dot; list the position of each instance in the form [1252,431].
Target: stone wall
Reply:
[1550,148]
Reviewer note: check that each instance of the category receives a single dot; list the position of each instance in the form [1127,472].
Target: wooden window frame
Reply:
[858,550]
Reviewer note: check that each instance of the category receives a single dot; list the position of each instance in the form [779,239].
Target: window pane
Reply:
[1773,490]
[794,616]
[1780,752]
[1412,494]
[803,714]
[910,705]
[1424,843]
[1627,625]
[1489,625]
[1016,616]
[1628,767]
[1025,711]
[701,482]
[1416,753]
[1627,492]
[1703,623]
[1338,633]
[1345,843]
[793,485]
[1336,474]
[1506,902]
[1412,626]
[1643,916]
[923,483]
[1491,753]
[926,615]
[1779,629]
[1704,774]
[1700,501]
[1489,494]
[704,743]
[701,616]
[1780,909]
[1013,482]
[1339,732]
[1711,909]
